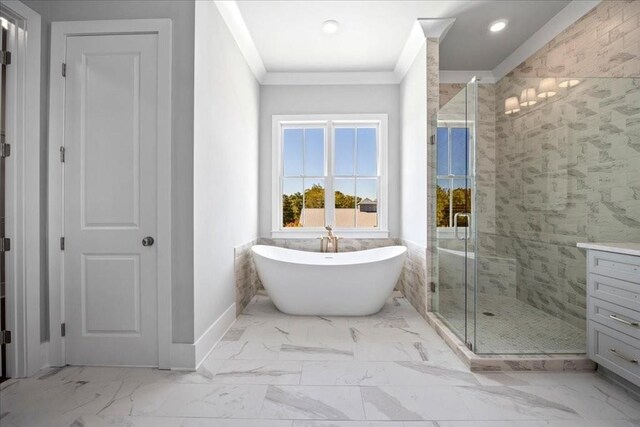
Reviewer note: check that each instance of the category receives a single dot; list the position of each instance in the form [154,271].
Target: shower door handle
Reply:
[455,225]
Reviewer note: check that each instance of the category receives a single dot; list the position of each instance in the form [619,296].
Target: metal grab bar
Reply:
[455,225]
[625,322]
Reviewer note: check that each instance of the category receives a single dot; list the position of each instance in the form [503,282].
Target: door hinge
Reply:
[5,337]
[62,243]
[63,329]
[62,151]
[5,57]
[432,139]
[432,286]
[64,70]
[5,149]
[469,345]
[5,244]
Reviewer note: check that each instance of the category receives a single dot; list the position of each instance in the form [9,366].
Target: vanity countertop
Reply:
[620,248]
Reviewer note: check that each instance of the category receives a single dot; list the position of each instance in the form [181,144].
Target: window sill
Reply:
[346,234]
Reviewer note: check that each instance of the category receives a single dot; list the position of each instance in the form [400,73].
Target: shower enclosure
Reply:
[525,169]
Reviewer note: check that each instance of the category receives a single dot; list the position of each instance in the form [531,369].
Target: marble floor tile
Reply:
[245,350]
[253,371]
[302,402]
[317,351]
[344,373]
[386,370]
[396,351]
[56,420]
[188,400]
[313,423]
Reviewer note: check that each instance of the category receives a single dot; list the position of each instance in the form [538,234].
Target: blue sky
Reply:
[355,154]
[458,157]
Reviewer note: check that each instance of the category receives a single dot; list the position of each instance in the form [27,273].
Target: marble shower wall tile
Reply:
[433,105]
[566,172]
[246,276]
[603,43]
[448,91]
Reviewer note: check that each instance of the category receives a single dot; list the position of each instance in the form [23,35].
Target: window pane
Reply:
[443,203]
[314,152]
[367,207]
[459,151]
[443,151]
[367,152]
[460,200]
[344,146]
[292,152]
[345,195]
[313,215]
[291,202]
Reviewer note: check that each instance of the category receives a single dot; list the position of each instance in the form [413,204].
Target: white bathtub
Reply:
[329,284]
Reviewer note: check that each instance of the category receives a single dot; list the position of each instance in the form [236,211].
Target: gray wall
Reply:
[325,99]
[182,14]
[226,152]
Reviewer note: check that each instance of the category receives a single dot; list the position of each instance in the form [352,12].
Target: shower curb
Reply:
[509,362]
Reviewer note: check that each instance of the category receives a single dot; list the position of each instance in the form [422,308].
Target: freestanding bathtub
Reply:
[329,284]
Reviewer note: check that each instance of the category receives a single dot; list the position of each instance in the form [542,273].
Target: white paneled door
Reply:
[110,200]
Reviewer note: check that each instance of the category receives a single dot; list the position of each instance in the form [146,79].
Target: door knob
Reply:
[148,241]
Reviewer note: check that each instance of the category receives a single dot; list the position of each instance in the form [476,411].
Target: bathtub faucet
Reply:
[329,243]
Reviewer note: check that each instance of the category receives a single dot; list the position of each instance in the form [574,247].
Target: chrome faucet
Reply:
[329,243]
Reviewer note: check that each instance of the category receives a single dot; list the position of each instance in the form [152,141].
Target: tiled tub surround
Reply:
[412,282]
[313,245]
[246,276]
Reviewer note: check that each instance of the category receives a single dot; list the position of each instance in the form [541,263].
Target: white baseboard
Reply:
[190,356]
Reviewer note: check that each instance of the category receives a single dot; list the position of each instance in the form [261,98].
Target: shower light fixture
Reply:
[568,83]
[330,26]
[511,105]
[547,88]
[528,97]
[498,25]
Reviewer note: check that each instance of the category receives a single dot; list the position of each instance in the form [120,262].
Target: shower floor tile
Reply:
[506,325]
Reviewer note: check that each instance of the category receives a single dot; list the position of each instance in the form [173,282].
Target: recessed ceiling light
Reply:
[498,25]
[330,26]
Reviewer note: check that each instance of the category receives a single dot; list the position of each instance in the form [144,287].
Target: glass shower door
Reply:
[454,299]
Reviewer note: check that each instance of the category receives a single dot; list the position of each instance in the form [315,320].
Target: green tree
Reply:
[314,197]
[345,201]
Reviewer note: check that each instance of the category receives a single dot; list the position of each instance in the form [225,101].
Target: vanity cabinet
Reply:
[613,307]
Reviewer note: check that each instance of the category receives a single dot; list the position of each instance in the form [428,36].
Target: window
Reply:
[453,187]
[330,170]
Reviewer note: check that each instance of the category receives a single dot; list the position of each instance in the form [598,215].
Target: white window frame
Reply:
[449,232]
[329,122]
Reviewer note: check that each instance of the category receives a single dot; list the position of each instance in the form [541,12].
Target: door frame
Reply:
[60,31]
[27,353]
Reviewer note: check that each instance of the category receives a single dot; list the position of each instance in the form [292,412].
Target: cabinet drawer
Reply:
[619,266]
[614,316]
[615,351]
[612,290]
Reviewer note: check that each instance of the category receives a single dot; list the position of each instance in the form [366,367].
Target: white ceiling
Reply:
[289,38]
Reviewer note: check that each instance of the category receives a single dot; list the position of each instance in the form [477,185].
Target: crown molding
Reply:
[563,19]
[233,18]
[464,76]
[436,27]
[409,52]
[423,28]
[332,78]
